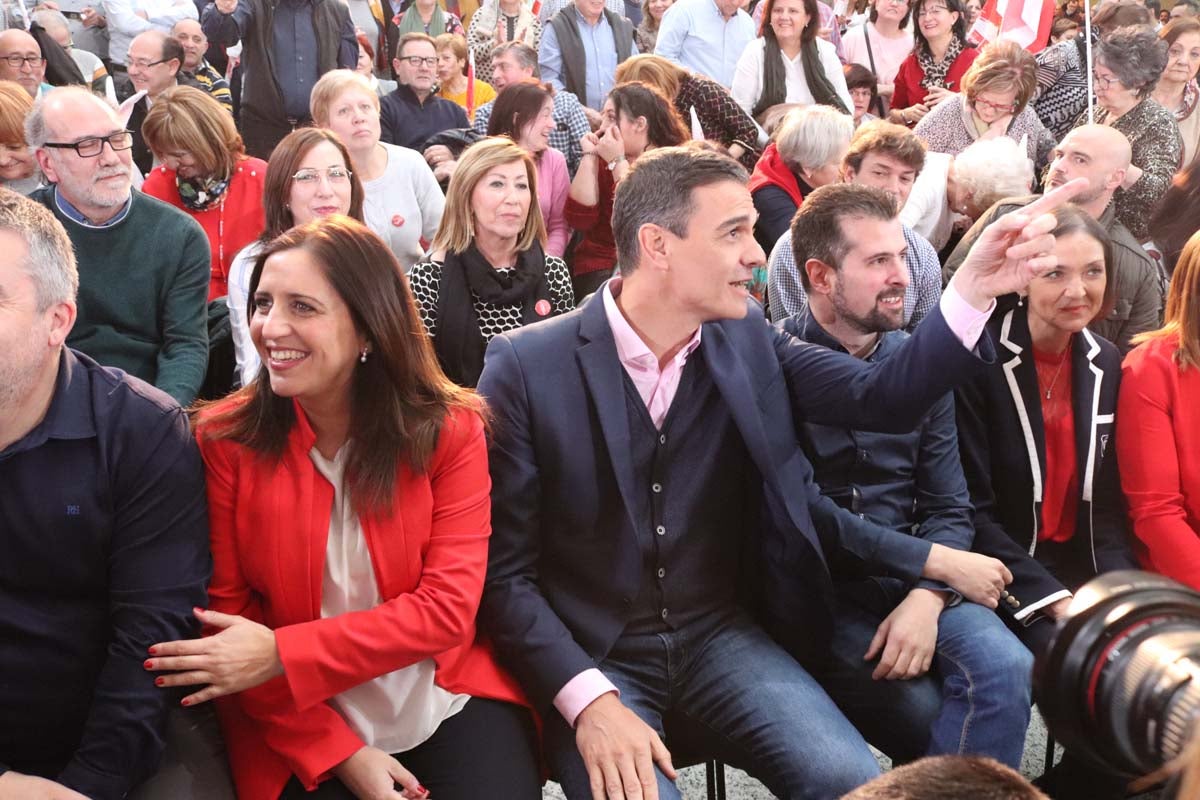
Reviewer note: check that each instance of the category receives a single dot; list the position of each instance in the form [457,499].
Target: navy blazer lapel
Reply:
[603,374]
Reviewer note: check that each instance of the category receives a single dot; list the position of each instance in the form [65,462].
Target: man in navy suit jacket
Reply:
[645,454]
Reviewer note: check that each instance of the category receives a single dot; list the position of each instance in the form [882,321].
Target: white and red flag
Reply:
[1026,22]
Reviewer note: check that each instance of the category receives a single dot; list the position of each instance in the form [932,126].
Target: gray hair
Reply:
[525,55]
[51,259]
[813,136]
[658,191]
[1136,57]
[49,18]
[817,231]
[992,169]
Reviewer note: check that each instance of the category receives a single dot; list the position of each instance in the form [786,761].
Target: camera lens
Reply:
[1119,684]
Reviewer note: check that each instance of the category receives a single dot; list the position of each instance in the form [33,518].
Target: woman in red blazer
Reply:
[349,501]
[940,58]
[1158,441]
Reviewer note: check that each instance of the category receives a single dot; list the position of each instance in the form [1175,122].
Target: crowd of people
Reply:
[463,395]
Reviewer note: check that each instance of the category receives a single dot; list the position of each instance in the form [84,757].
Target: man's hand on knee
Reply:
[620,751]
[908,637]
[15,786]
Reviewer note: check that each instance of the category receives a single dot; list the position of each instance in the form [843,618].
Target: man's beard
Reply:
[20,368]
[875,320]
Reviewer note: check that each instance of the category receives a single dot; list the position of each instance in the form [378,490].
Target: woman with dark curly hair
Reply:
[1128,64]
[940,58]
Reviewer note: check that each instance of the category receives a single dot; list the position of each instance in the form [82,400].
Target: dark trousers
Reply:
[489,744]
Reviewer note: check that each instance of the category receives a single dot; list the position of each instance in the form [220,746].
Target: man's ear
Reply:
[1116,179]
[820,276]
[43,161]
[654,244]
[62,320]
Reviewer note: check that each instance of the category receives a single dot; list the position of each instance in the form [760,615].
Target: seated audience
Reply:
[953,776]
[706,37]
[789,62]
[22,62]
[104,533]
[18,169]
[144,266]
[348,502]
[881,44]
[155,65]
[1158,442]
[721,119]
[670,380]
[366,67]
[308,177]
[1129,62]
[646,34]
[887,157]
[488,272]
[206,173]
[637,118]
[864,93]
[191,38]
[525,113]
[940,58]
[1099,154]
[1177,215]
[1035,431]
[916,671]
[805,152]
[513,62]
[402,202]
[430,18]
[496,23]
[452,75]
[952,192]
[1177,90]
[585,70]
[1063,30]
[994,101]
[94,73]
[413,113]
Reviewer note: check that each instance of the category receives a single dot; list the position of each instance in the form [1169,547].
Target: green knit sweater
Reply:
[143,294]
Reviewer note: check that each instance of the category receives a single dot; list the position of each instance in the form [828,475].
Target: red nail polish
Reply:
[185,702]
[422,789]
[152,650]
[199,610]
[159,681]
[148,664]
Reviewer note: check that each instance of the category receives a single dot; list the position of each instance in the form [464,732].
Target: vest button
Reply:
[664,613]
[661,572]
[661,530]
[662,439]
[656,488]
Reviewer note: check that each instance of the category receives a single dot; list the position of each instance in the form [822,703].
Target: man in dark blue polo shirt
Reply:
[103,537]
[413,112]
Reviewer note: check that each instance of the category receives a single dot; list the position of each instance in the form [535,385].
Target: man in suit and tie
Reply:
[644,453]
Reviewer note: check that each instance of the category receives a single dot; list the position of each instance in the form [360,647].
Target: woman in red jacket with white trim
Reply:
[349,500]
[1158,442]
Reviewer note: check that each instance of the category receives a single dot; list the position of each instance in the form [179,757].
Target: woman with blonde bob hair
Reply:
[204,171]
[1158,440]
[18,170]
[488,272]
[994,102]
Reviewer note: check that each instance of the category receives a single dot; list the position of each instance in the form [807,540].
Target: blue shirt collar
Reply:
[64,205]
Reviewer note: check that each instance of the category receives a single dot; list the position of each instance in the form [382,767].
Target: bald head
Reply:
[195,44]
[1097,152]
[21,60]
[154,60]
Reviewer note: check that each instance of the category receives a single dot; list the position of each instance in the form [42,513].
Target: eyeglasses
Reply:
[93,145]
[142,63]
[416,61]
[1104,82]
[931,11]
[311,177]
[16,60]
[891,2]
[999,108]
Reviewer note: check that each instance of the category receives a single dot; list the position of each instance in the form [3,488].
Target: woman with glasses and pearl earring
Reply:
[308,177]
[994,102]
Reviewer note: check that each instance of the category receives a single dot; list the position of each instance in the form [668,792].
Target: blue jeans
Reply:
[975,700]
[760,710]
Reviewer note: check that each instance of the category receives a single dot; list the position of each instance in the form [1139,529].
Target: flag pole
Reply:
[1087,31]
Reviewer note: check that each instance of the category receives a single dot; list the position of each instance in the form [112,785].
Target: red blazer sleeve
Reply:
[327,656]
[311,741]
[156,185]
[908,84]
[1149,459]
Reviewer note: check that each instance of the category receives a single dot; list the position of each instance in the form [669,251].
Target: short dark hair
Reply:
[516,106]
[525,55]
[817,231]
[859,77]
[172,50]
[658,191]
[888,138]
[949,778]
[1135,55]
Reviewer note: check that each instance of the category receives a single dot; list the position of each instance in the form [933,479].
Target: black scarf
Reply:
[774,89]
[459,343]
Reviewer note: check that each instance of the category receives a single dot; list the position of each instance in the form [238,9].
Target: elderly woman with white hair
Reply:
[954,191]
[805,153]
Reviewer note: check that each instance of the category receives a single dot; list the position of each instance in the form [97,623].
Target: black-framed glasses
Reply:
[93,145]
[142,63]
[416,61]
[15,60]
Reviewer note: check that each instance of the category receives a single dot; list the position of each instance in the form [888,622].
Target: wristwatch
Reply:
[612,165]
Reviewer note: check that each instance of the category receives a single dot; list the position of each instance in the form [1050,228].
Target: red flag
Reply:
[1026,22]
[470,84]
[537,7]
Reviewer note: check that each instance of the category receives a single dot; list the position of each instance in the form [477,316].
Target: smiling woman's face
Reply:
[327,194]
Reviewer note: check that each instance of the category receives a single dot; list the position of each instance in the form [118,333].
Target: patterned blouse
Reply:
[949,128]
[722,119]
[1157,150]
[425,279]
[1062,90]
